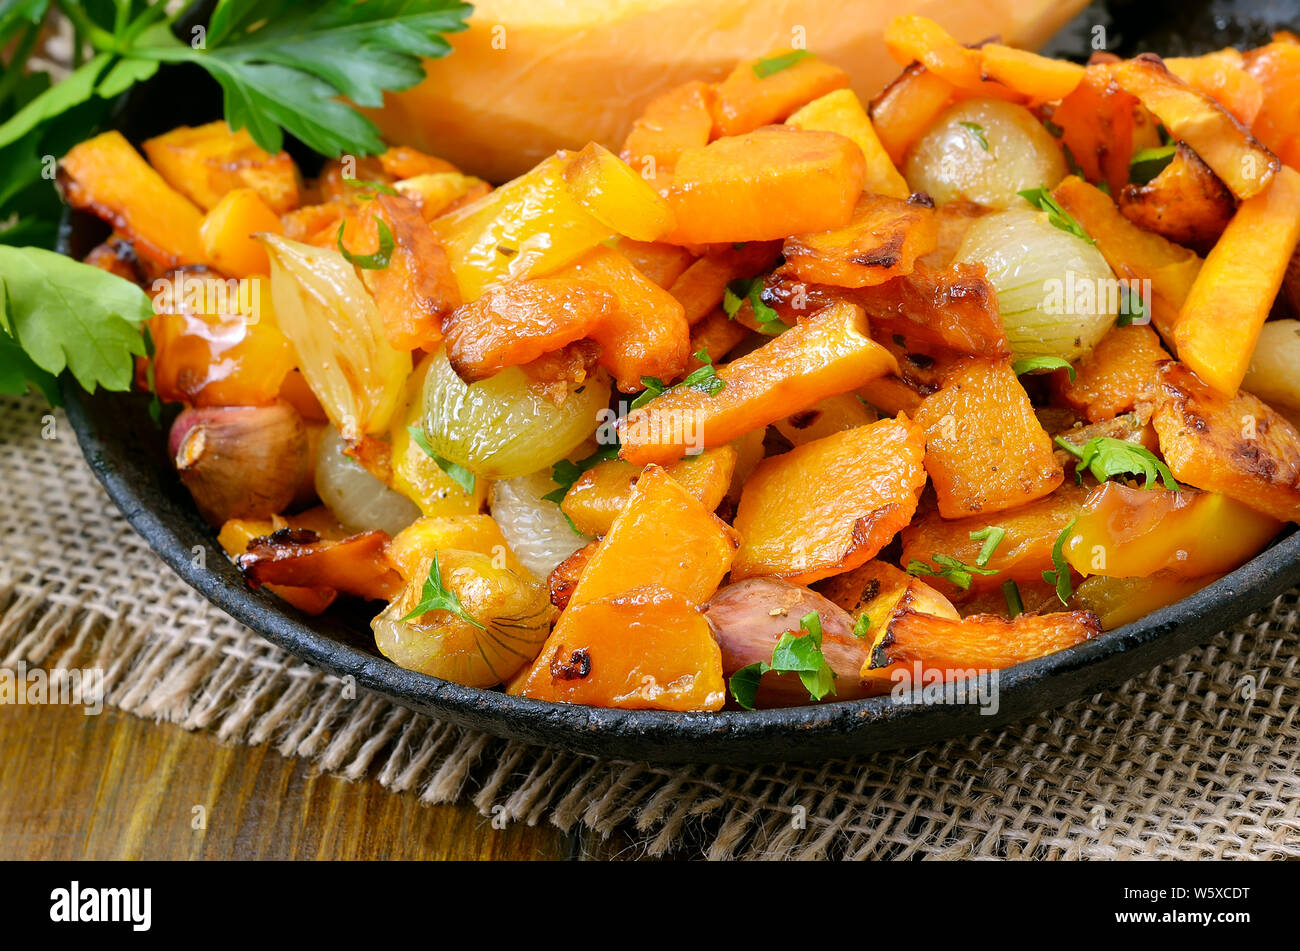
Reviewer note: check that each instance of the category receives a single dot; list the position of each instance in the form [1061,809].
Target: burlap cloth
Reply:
[1198,759]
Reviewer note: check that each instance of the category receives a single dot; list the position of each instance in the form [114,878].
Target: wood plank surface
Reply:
[115,786]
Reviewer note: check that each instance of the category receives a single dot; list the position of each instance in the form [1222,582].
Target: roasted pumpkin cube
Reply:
[664,533]
[1113,377]
[107,177]
[673,122]
[1235,445]
[907,107]
[770,183]
[829,353]
[205,162]
[882,241]
[1185,203]
[751,96]
[985,449]
[841,112]
[414,546]
[519,322]
[828,506]
[646,649]
[700,287]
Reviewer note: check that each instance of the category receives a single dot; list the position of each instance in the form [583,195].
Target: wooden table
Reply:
[115,786]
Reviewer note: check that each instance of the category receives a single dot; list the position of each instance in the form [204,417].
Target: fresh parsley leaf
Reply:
[862,626]
[1057,216]
[1072,164]
[992,538]
[370,186]
[68,315]
[751,289]
[1146,164]
[370,262]
[977,133]
[72,91]
[1060,575]
[1011,592]
[459,474]
[1132,309]
[774,64]
[1040,364]
[435,597]
[793,654]
[951,569]
[566,472]
[704,379]
[1106,457]
[1053,129]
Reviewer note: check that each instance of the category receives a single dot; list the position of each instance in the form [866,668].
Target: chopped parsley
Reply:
[751,289]
[1011,592]
[950,569]
[1057,216]
[1060,575]
[370,262]
[1146,164]
[774,64]
[992,538]
[1040,364]
[704,379]
[794,654]
[435,597]
[977,133]
[459,474]
[1106,457]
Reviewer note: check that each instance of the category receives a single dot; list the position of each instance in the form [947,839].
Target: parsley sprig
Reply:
[977,133]
[949,568]
[751,289]
[1057,216]
[794,654]
[437,597]
[1106,457]
[376,261]
[775,64]
[1059,576]
[704,379]
[1042,365]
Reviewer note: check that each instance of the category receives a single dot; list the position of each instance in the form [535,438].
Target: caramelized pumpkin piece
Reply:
[519,322]
[751,96]
[981,641]
[1234,445]
[402,161]
[985,449]
[1112,378]
[1185,203]
[1226,308]
[658,261]
[646,649]
[1277,68]
[882,241]
[1191,116]
[829,353]
[1222,76]
[770,183]
[701,286]
[205,162]
[644,332]
[841,112]
[907,107]
[835,414]
[563,579]
[602,492]
[107,177]
[1024,553]
[1098,120]
[1131,252]
[674,122]
[227,233]
[716,335]
[528,226]
[1124,532]
[413,547]
[830,505]
[663,533]
[1040,78]
[417,288]
[300,558]
[238,533]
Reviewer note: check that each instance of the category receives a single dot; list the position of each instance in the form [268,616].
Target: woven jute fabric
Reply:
[1200,758]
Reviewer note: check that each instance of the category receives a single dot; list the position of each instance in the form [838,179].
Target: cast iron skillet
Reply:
[128,454]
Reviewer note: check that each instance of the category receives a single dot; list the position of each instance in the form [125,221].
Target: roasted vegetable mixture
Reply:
[793,393]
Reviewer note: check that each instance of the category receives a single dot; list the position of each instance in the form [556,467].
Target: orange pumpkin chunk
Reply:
[1235,445]
[418,287]
[747,99]
[519,322]
[882,241]
[826,354]
[701,286]
[107,177]
[679,120]
[645,333]
[830,505]
[770,183]
[1024,553]
[227,233]
[1041,78]
[985,449]
[660,262]
[602,492]
[1110,379]
[907,107]
[207,161]
[646,649]
[984,641]
[663,533]
[1097,121]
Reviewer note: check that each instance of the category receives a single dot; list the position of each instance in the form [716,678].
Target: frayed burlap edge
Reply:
[1197,759]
